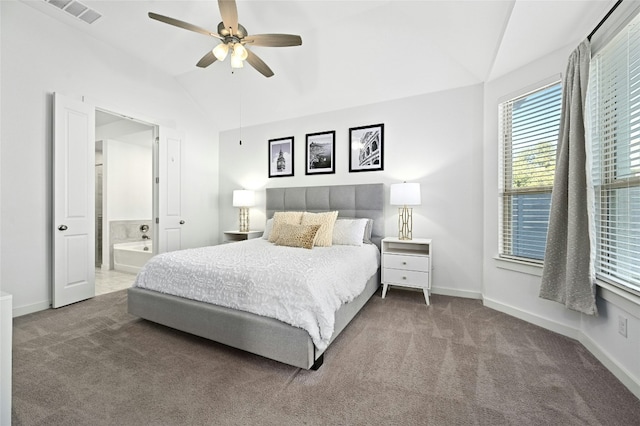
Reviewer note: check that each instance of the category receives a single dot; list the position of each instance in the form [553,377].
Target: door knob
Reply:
[182,222]
[62,228]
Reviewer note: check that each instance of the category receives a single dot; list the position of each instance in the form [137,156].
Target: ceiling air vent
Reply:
[76,9]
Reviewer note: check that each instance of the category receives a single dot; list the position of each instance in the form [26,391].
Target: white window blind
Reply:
[529,128]
[614,108]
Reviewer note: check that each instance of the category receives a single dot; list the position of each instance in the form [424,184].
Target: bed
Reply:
[259,334]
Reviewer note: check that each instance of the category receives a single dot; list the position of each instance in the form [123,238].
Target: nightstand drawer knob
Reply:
[404,278]
[404,263]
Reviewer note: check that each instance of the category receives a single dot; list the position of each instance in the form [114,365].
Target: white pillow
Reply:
[367,231]
[267,229]
[349,232]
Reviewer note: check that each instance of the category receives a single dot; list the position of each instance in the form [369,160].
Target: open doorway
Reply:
[124,197]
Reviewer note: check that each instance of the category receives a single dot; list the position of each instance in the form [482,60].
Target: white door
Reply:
[170,221]
[73,201]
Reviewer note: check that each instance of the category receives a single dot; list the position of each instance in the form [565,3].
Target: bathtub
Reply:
[130,257]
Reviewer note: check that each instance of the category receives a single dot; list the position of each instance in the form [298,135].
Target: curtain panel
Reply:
[568,275]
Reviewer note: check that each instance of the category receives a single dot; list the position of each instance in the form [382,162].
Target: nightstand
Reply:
[406,263]
[233,236]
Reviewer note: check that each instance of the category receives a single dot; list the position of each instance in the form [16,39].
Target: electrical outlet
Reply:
[622,325]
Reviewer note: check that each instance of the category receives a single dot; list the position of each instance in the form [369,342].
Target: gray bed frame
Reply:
[260,335]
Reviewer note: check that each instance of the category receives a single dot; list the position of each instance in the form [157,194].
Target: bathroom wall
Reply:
[129,180]
[127,191]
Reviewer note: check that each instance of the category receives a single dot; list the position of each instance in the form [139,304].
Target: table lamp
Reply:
[405,194]
[244,199]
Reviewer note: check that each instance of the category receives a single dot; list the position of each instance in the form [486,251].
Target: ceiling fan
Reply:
[233,38]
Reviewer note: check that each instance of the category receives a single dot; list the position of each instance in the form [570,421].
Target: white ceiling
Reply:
[353,52]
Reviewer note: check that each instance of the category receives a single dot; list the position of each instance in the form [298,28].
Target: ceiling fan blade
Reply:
[273,40]
[229,14]
[182,24]
[259,64]
[206,60]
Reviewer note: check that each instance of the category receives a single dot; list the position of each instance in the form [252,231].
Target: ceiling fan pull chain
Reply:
[240,91]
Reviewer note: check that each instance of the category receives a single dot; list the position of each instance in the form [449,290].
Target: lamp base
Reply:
[405,223]
[244,219]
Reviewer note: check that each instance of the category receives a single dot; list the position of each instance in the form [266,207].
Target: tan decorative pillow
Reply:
[297,235]
[326,220]
[280,218]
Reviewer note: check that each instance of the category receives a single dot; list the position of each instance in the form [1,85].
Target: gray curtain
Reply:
[568,275]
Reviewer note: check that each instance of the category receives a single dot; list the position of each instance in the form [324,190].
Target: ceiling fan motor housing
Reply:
[226,33]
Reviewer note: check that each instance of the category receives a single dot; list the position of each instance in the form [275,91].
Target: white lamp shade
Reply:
[220,51]
[405,194]
[240,51]
[243,198]
[236,62]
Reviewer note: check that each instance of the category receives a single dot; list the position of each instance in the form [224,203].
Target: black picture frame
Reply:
[281,157]
[366,148]
[320,149]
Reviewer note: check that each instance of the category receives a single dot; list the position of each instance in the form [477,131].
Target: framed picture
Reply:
[281,157]
[320,153]
[366,148]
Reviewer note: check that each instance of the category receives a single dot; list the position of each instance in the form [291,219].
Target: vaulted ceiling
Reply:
[353,52]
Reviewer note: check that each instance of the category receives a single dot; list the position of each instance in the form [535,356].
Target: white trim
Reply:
[529,317]
[29,309]
[611,364]
[518,266]
[555,78]
[444,291]
[596,350]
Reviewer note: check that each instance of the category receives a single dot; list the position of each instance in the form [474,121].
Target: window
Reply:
[529,134]
[614,110]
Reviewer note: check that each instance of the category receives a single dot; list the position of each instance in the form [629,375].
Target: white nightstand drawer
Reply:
[411,263]
[406,263]
[406,278]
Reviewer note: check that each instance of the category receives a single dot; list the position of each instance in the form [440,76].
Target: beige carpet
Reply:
[399,362]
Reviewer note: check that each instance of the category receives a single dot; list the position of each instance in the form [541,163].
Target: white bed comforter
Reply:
[297,286]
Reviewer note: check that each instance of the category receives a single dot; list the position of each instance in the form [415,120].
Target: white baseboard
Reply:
[19,311]
[533,319]
[611,364]
[126,268]
[456,293]
[445,292]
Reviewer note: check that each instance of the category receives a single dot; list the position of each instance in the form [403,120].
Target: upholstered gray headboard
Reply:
[358,201]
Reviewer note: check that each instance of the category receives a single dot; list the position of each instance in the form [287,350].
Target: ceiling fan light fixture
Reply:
[220,51]
[232,36]
[240,51]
